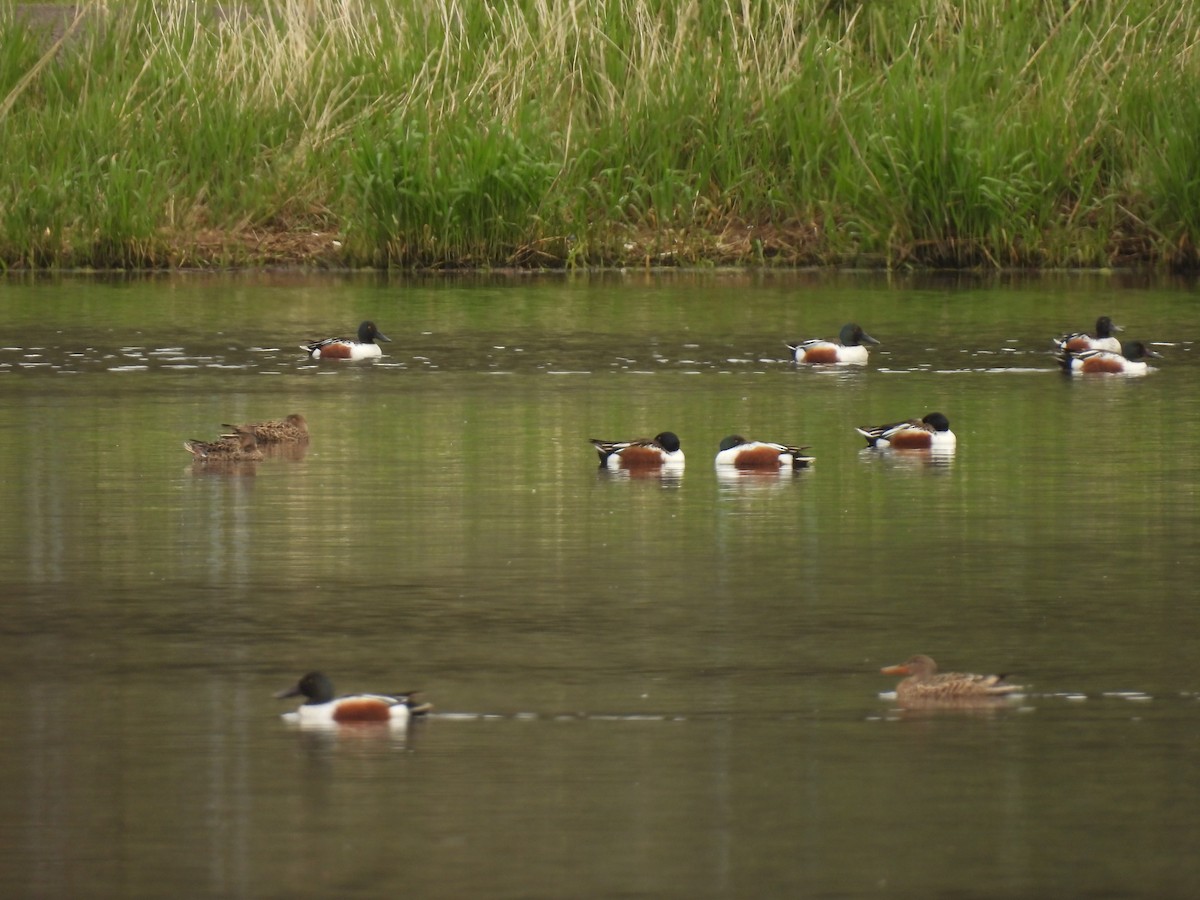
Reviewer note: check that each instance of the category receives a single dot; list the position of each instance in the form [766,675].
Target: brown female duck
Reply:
[924,683]
[292,430]
[239,447]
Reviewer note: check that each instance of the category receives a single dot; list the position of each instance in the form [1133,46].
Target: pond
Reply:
[658,686]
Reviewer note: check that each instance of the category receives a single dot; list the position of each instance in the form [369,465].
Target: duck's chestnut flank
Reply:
[663,449]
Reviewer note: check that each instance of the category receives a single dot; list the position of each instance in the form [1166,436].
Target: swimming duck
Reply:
[238,447]
[322,707]
[848,349]
[740,453]
[344,348]
[929,433]
[1130,361]
[1104,339]
[923,682]
[293,429]
[661,450]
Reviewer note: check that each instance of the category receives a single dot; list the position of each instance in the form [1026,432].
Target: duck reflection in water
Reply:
[663,476]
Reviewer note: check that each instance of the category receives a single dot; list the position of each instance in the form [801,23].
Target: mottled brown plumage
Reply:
[239,447]
[924,683]
[292,430]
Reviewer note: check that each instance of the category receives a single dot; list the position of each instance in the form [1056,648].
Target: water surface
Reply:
[654,687]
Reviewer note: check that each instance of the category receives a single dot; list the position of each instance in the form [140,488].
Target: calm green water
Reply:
[646,687]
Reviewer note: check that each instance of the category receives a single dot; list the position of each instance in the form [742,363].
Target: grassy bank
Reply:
[960,133]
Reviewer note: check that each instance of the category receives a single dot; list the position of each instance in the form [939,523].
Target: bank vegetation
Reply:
[559,133]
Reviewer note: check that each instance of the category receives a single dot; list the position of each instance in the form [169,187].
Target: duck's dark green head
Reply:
[937,421]
[668,440]
[852,335]
[314,687]
[1138,350]
[369,334]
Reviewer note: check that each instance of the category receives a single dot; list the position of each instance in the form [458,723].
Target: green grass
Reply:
[922,133]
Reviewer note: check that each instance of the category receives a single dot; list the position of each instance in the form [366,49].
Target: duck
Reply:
[932,432]
[238,447]
[291,430]
[344,348]
[923,682]
[848,348]
[740,453]
[323,707]
[1104,339]
[1130,361]
[661,450]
